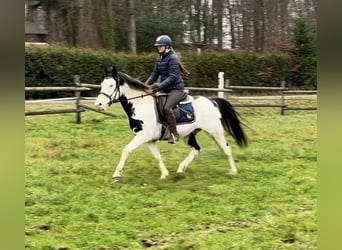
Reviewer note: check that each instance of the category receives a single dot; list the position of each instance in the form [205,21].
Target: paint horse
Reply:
[212,115]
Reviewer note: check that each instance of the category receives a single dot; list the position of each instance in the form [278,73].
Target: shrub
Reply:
[56,66]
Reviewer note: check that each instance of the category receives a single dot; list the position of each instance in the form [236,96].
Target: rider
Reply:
[169,68]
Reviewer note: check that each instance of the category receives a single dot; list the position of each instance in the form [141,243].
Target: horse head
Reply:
[110,89]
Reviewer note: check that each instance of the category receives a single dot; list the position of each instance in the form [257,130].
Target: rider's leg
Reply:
[171,120]
[173,99]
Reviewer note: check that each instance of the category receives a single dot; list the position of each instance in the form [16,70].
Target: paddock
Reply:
[72,203]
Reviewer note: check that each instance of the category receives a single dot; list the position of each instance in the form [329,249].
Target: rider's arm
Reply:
[154,76]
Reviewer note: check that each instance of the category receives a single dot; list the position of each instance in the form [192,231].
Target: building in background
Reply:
[35,27]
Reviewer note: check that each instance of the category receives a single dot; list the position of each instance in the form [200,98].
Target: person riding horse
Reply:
[213,116]
[170,70]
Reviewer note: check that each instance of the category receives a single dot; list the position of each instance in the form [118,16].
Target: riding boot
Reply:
[171,120]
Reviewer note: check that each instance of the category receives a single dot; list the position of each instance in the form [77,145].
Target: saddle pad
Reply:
[184,113]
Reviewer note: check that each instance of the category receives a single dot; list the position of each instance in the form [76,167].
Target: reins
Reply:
[140,96]
[117,91]
[135,97]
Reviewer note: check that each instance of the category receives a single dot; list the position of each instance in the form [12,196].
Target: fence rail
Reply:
[56,89]
[223,90]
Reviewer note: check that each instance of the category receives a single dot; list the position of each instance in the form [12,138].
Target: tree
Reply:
[259,26]
[108,24]
[131,27]
[218,9]
[232,23]
[127,25]
[304,52]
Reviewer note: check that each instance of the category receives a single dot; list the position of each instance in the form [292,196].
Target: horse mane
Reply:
[133,82]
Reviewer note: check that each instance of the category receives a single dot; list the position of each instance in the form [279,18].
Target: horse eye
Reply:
[111,86]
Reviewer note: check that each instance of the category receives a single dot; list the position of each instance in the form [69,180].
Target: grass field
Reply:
[72,203]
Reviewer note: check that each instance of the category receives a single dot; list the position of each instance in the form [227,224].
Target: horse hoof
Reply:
[116,178]
[233,172]
[181,170]
[179,176]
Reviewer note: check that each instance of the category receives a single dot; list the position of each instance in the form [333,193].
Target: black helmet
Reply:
[163,40]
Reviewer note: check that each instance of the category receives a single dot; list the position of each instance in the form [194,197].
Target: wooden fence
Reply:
[222,91]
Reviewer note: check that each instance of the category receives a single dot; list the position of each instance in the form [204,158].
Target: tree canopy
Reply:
[131,26]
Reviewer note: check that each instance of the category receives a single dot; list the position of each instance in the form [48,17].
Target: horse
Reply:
[141,104]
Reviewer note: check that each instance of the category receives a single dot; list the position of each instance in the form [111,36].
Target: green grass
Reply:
[72,203]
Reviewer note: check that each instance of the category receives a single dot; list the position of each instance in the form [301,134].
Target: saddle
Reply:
[183,111]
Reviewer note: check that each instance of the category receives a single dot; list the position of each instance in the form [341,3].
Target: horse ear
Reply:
[114,72]
[108,71]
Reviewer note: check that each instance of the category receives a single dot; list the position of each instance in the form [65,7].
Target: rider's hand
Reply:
[155,87]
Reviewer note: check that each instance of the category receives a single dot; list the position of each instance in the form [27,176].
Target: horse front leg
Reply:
[156,153]
[137,141]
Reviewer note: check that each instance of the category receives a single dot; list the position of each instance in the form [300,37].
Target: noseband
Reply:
[115,92]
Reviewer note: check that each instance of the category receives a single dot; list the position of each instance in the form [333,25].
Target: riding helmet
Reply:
[163,40]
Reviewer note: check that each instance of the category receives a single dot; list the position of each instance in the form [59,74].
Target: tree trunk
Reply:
[246,34]
[284,22]
[198,21]
[259,26]
[206,22]
[232,24]
[218,13]
[131,27]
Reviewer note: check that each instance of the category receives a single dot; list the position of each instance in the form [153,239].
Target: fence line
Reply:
[300,92]
[56,89]
[98,111]
[221,90]
[51,112]
[50,100]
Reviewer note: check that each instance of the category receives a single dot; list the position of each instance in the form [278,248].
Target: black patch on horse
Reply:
[136,125]
[192,142]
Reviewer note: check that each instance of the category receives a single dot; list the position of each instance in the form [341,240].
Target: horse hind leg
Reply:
[226,148]
[156,153]
[194,151]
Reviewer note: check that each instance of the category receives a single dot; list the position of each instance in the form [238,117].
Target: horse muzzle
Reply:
[100,105]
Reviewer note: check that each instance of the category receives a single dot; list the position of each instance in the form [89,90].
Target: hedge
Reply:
[56,66]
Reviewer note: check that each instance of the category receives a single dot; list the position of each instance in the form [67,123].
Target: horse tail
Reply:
[230,121]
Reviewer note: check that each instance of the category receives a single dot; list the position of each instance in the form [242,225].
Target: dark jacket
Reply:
[167,67]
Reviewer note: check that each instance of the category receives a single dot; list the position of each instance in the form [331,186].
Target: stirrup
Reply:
[173,138]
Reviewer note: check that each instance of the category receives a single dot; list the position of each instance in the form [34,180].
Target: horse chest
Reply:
[137,115]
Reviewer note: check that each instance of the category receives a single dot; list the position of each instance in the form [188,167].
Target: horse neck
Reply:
[135,95]
[131,92]
[136,103]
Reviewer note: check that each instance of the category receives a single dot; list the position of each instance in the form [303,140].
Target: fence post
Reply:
[220,84]
[282,109]
[78,99]
[226,86]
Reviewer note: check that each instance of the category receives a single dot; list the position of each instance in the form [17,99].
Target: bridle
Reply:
[115,92]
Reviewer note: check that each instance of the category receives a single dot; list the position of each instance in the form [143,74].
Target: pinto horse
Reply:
[212,115]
